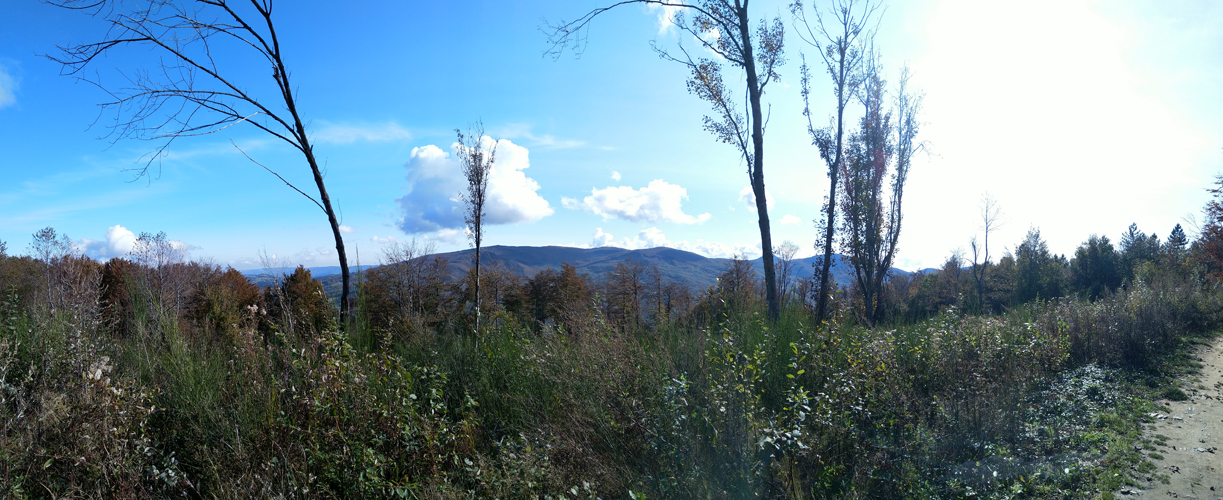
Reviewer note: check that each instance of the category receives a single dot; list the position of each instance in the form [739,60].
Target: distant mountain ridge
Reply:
[693,270]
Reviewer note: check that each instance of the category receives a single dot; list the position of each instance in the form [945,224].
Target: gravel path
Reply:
[1192,455]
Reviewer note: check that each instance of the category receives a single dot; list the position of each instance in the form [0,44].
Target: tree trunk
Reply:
[757,166]
[478,286]
[335,231]
[822,303]
[308,150]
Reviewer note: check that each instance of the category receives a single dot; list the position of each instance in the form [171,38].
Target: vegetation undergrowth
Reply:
[133,380]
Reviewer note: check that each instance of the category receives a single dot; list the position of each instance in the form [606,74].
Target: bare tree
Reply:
[625,293]
[756,51]
[991,219]
[160,257]
[54,251]
[872,211]
[477,161]
[191,92]
[838,39]
[408,272]
[785,268]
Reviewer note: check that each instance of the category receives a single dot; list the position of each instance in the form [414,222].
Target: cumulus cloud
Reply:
[346,229]
[660,201]
[435,181]
[653,237]
[719,250]
[791,219]
[747,196]
[601,239]
[119,242]
[648,238]
[8,88]
[432,201]
[615,176]
[452,236]
[512,196]
[339,133]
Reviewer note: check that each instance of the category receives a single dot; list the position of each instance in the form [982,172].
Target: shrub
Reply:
[220,302]
[302,304]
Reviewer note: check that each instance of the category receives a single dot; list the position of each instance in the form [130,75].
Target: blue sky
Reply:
[1079,117]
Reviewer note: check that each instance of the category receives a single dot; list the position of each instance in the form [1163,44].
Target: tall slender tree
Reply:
[198,88]
[991,219]
[724,28]
[839,39]
[881,150]
[477,154]
[1174,246]
[785,254]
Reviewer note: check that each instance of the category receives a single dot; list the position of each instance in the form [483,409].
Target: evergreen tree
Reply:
[1137,248]
[1038,274]
[1177,241]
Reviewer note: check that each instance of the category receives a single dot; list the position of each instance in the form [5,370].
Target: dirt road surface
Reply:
[1193,451]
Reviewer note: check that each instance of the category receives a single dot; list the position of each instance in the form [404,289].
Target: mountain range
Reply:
[687,268]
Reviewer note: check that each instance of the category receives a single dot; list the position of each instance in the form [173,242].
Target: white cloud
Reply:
[666,16]
[546,141]
[452,236]
[118,243]
[601,239]
[346,229]
[120,239]
[748,197]
[8,88]
[615,175]
[339,133]
[650,237]
[718,250]
[653,237]
[791,219]
[314,258]
[512,196]
[435,181]
[659,201]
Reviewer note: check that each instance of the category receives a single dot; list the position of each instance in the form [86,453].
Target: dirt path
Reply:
[1193,451]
